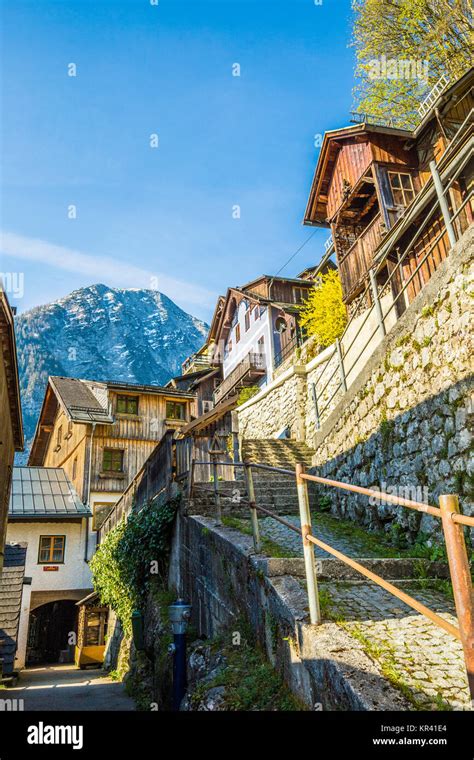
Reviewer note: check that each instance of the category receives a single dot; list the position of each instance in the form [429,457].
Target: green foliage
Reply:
[251,683]
[247,393]
[323,314]
[131,556]
[435,34]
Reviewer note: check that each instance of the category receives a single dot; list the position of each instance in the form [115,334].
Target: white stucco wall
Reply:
[74,573]
[22,640]
[248,343]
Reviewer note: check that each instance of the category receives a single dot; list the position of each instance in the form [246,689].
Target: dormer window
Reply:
[401,185]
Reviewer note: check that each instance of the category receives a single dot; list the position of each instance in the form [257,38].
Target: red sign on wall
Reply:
[50,568]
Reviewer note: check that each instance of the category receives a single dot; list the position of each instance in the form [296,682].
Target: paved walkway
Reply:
[292,541]
[65,687]
[425,661]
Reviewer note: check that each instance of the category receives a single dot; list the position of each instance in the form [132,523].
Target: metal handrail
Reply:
[452,522]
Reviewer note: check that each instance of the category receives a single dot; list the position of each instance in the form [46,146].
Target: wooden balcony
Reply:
[195,363]
[355,264]
[246,373]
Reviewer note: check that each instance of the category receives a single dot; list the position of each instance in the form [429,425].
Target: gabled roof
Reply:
[271,278]
[82,400]
[44,493]
[315,213]
[11,589]
[9,358]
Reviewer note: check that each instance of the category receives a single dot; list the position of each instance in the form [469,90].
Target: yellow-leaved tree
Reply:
[323,314]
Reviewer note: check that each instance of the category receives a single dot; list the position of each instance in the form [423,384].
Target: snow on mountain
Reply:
[102,333]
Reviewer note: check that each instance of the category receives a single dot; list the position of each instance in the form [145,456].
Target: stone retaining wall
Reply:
[406,423]
[215,569]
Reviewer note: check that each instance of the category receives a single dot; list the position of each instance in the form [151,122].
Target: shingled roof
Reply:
[44,492]
[11,588]
[84,401]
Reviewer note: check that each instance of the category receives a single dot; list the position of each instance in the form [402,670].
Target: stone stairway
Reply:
[274,491]
[277,452]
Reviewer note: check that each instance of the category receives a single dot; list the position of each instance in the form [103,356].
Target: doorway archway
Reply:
[49,630]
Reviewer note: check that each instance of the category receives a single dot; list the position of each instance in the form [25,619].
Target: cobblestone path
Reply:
[412,651]
[425,661]
[292,541]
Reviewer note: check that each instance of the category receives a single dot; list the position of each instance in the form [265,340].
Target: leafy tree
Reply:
[435,34]
[323,314]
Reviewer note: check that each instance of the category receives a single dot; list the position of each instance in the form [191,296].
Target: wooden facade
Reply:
[101,458]
[11,427]
[369,177]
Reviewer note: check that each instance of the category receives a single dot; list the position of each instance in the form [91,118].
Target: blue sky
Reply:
[162,217]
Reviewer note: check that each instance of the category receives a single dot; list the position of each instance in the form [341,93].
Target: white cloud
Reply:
[103,269]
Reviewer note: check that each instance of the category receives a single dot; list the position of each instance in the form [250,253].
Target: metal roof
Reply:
[44,492]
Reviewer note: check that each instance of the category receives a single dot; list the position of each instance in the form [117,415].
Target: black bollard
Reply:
[179,613]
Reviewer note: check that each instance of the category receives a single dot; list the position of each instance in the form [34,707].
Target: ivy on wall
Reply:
[131,555]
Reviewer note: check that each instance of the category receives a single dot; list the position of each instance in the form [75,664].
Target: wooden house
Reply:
[257,329]
[102,433]
[11,427]
[373,185]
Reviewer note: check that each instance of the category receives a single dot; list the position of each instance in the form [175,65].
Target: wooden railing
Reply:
[195,363]
[155,475]
[250,368]
[355,264]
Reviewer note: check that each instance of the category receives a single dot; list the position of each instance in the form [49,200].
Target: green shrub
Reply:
[131,555]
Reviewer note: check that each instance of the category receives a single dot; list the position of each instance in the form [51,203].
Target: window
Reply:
[59,436]
[112,460]
[402,188]
[100,511]
[74,468]
[127,404]
[237,333]
[175,410]
[247,321]
[51,549]
[95,628]
[229,346]
[299,295]
[256,313]
[69,430]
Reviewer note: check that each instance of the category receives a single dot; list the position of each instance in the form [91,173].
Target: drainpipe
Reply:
[87,501]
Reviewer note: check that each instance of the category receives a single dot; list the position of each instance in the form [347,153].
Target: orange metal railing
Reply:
[453,523]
